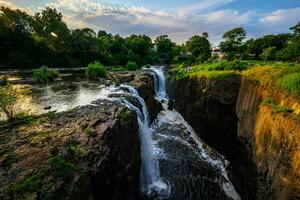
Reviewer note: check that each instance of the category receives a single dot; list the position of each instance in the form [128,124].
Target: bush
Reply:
[132,66]
[291,82]
[233,65]
[8,100]
[44,74]
[95,70]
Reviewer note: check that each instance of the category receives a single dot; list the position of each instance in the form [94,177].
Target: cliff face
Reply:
[208,105]
[89,152]
[273,137]
[261,140]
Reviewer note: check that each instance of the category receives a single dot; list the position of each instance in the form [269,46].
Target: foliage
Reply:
[95,70]
[276,107]
[44,74]
[232,65]
[8,100]
[124,117]
[77,150]
[132,66]
[30,183]
[269,53]
[199,47]
[233,42]
[62,168]
[164,48]
[117,68]
[291,82]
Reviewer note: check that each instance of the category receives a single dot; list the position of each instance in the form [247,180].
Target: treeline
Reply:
[44,39]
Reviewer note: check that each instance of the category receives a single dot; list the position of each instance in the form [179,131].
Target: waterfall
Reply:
[187,136]
[150,180]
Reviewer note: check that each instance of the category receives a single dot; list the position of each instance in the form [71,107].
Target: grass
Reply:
[124,117]
[279,75]
[276,107]
[291,83]
[44,74]
[38,137]
[89,131]
[77,150]
[117,68]
[62,168]
[207,70]
[30,183]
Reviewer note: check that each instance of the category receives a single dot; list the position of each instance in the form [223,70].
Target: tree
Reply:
[140,48]
[164,48]
[8,100]
[232,46]
[296,29]
[199,47]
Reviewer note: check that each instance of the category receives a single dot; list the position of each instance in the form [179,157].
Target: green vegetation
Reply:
[38,137]
[77,150]
[95,70]
[291,83]
[131,66]
[118,68]
[124,117]
[29,184]
[89,131]
[8,100]
[44,74]
[276,107]
[32,40]
[62,168]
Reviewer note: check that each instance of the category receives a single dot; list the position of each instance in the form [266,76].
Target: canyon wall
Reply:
[272,137]
[261,145]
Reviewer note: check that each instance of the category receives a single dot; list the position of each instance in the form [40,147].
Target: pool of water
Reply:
[60,96]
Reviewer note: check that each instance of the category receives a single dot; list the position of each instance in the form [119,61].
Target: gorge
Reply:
[129,144]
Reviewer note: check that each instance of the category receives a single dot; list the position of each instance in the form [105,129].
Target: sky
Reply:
[180,19]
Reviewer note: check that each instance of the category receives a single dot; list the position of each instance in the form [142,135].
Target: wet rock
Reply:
[47,107]
[145,85]
[86,153]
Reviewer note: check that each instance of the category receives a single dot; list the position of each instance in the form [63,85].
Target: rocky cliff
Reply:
[89,152]
[262,144]
[272,134]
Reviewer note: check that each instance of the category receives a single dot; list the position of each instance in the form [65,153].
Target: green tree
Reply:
[164,48]
[199,47]
[140,47]
[232,45]
[292,51]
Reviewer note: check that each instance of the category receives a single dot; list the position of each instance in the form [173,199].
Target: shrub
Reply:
[291,82]
[95,70]
[44,74]
[233,65]
[132,66]
[8,100]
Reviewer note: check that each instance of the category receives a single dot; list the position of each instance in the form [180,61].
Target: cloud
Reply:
[179,25]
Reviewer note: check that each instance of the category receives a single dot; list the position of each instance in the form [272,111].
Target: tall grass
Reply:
[95,70]
[291,82]
[44,74]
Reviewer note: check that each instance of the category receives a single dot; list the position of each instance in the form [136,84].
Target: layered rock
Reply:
[208,105]
[273,137]
[89,152]
[144,83]
[231,116]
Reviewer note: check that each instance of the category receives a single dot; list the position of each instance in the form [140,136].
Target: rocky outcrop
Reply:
[208,105]
[273,137]
[144,83]
[89,152]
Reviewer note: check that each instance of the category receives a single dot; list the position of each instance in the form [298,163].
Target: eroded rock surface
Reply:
[89,152]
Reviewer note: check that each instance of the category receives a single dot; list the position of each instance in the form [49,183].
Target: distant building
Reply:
[218,52]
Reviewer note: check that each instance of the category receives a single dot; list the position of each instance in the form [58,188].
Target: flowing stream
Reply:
[176,163]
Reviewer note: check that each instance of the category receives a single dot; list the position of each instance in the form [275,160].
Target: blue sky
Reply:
[177,18]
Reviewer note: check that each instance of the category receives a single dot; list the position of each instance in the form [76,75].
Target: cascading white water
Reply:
[159,83]
[151,181]
[187,135]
